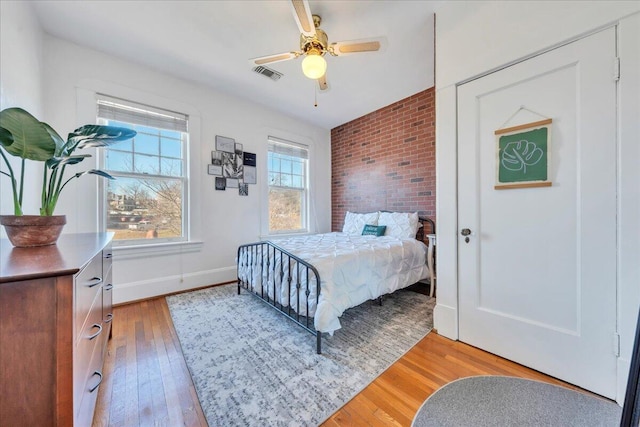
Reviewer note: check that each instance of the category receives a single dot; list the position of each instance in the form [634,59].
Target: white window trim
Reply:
[86,93]
[184,181]
[278,134]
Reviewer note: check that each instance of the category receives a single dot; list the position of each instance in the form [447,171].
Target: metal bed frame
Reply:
[251,256]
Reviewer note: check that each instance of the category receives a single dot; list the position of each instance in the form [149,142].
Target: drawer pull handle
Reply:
[94,282]
[95,325]
[92,389]
[108,318]
[107,256]
[108,287]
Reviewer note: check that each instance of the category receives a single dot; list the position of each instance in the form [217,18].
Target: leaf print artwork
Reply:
[522,155]
[231,165]
[517,155]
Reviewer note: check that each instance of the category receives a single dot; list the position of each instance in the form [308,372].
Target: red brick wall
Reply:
[386,160]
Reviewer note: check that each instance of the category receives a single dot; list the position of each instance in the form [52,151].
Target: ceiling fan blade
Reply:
[303,18]
[356,46]
[322,82]
[270,59]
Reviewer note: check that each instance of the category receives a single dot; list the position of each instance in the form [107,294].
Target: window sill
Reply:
[158,249]
[285,235]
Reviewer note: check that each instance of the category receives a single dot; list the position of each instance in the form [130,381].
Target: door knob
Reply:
[465,232]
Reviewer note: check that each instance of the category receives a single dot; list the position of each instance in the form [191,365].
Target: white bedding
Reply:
[353,269]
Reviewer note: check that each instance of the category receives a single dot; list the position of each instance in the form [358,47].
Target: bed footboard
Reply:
[259,260]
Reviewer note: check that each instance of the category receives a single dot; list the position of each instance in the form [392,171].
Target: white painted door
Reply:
[537,278]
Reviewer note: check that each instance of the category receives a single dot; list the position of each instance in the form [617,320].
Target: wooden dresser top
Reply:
[66,257]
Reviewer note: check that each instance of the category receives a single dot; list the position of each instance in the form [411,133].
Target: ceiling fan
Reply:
[314,44]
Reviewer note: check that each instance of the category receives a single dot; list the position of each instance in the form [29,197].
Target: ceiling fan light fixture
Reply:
[314,65]
[314,44]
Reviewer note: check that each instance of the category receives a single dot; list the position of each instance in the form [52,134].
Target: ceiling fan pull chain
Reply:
[315,95]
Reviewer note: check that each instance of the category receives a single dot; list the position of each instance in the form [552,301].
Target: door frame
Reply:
[446,311]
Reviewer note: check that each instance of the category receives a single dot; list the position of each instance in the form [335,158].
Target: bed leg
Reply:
[380,301]
[318,342]
[238,287]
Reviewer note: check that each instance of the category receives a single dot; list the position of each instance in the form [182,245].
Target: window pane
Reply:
[147,144]
[171,167]
[124,145]
[297,167]
[285,165]
[285,209]
[144,208]
[171,147]
[274,178]
[146,164]
[287,189]
[118,161]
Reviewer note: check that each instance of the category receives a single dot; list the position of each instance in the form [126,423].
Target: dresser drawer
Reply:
[107,304]
[107,289]
[87,283]
[107,257]
[89,339]
[88,390]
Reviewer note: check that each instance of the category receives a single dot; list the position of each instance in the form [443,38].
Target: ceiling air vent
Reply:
[272,74]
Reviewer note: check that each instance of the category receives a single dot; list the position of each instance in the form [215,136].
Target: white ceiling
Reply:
[210,42]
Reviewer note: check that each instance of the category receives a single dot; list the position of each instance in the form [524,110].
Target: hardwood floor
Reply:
[147,381]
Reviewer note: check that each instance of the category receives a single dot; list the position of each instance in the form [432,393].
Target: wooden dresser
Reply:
[55,320]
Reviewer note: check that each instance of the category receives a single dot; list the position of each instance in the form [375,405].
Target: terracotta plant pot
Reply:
[33,230]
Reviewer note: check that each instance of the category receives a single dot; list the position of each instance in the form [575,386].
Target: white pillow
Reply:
[354,222]
[403,225]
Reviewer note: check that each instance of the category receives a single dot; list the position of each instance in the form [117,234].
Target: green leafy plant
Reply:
[24,136]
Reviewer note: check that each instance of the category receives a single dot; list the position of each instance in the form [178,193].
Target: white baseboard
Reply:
[133,291]
[445,321]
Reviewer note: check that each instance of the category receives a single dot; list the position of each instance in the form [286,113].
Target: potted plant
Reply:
[24,136]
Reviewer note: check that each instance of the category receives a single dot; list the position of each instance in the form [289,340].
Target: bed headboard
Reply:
[422,233]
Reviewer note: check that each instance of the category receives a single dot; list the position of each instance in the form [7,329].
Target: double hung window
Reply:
[148,198]
[288,186]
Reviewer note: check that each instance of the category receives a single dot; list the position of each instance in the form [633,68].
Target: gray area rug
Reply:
[508,401]
[251,366]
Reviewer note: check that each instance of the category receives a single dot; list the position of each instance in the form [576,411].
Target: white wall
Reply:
[473,38]
[20,86]
[221,219]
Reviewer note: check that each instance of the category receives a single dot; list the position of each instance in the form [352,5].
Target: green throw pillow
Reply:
[374,230]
